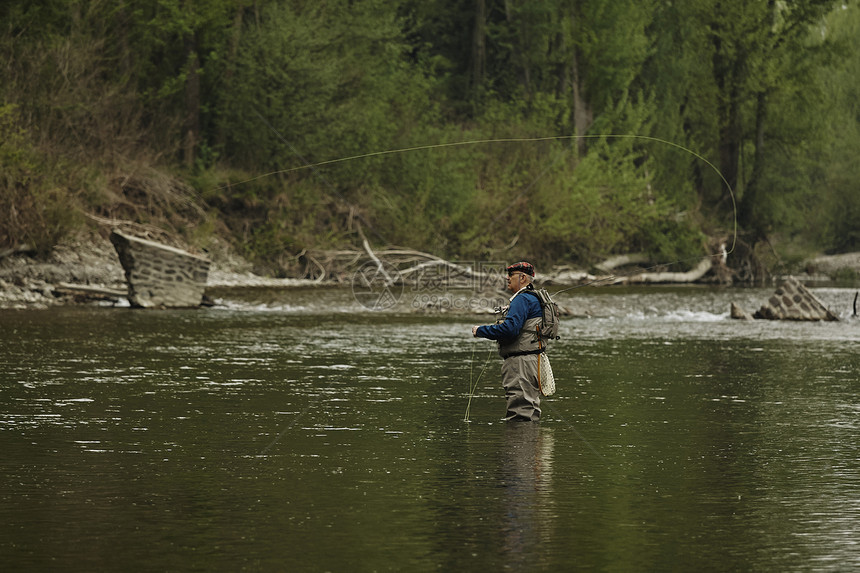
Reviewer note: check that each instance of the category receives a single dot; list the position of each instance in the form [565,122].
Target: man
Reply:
[518,344]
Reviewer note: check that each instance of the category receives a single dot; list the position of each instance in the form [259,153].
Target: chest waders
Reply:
[520,371]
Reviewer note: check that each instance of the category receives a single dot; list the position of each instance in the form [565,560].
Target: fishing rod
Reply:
[473,387]
[314,167]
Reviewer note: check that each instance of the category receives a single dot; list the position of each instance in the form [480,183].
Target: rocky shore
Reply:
[92,264]
[833,264]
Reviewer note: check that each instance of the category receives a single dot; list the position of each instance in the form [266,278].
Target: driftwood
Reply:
[690,276]
[396,266]
[85,292]
[407,266]
[613,263]
[379,266]
[92,289]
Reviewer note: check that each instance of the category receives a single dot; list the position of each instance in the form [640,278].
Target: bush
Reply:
[34,212]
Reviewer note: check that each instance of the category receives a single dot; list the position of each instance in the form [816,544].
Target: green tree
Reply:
[218,92]
[834,197]
[754,55]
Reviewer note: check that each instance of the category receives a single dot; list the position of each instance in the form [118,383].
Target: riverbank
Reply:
[90,261]
[835,265]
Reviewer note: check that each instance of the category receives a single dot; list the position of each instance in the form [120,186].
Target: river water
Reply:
[295,430]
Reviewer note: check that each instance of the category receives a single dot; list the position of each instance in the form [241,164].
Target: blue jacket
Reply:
[523,307]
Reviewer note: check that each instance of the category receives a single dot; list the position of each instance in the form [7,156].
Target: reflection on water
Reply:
[528,500]
[291,430]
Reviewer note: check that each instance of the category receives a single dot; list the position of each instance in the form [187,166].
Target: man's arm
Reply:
[512,325]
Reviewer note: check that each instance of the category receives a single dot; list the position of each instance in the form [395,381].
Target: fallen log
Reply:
[622,260]
[89,289]
[690,276]
[88,292]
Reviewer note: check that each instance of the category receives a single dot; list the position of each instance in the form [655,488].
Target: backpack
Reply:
[548,328]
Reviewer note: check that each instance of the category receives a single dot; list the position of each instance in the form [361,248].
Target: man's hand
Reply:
[475,331]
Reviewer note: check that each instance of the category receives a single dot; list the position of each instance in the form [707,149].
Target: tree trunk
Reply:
[230,70]
[192,103]
[519,54]
[728,68]
[730,138]
[582,113]
[479,50]
[121,23]
[749,214]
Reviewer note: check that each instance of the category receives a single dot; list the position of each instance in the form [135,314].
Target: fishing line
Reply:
[314,167]
[471,370]
[473,387]
[575,431]
[296,153]
[723,254]
[284,431]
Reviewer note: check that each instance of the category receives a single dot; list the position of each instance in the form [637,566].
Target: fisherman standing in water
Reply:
[516,333]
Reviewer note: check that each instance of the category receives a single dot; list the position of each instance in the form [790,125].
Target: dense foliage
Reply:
[285,121]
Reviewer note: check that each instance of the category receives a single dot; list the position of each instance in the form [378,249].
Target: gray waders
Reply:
[520,380]
[520,372]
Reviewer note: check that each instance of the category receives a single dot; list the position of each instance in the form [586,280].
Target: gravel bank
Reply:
[832,264]
[92,261]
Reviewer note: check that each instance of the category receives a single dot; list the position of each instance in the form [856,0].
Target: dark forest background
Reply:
[236,118]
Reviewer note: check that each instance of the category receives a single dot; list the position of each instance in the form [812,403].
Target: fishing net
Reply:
[546,380]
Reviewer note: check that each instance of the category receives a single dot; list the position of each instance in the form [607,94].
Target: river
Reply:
[295,430]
